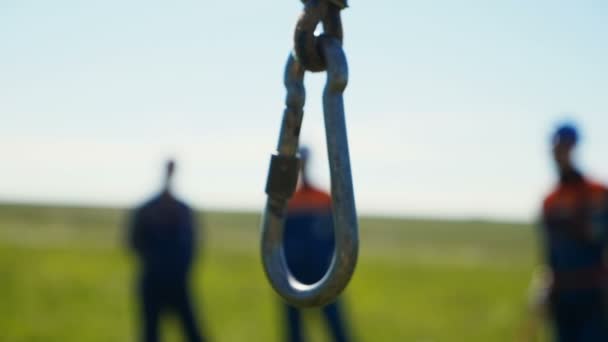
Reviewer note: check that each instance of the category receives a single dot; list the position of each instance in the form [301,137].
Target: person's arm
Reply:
[192,243]
[537,306]
[544,226]
[198,231]
[135,232]
[604,220]
[598,220]
[544,278]
[540,288]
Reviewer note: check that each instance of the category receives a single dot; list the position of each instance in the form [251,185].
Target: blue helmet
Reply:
[304,153]
[565,134]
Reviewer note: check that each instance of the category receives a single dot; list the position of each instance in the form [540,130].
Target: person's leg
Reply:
[335,322]
[293,327]
[594,329]
[150,310]
[566,317]
[185,312]
[594,325]
[565,332]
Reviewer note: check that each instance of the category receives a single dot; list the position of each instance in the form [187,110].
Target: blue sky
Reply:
[449,105]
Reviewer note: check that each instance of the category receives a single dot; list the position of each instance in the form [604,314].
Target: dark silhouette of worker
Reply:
[309,246]
[575,227]
[162,234]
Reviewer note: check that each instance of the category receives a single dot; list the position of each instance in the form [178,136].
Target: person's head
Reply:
[304,153]
[169,171]
[563,141]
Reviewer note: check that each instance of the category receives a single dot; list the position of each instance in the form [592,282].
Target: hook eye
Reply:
[307,48]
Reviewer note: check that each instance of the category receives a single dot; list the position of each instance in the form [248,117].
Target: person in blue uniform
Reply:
[574,230]
[309,247]
[162,235]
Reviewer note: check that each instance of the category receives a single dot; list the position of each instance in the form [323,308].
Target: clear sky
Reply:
[449,107]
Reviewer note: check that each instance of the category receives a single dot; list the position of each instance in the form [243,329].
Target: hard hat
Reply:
[566,133]
[304,153]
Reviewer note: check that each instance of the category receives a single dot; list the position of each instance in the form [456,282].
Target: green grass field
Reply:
[66,276]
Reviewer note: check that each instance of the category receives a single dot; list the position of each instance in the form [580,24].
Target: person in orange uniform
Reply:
[574,230]
[309,247]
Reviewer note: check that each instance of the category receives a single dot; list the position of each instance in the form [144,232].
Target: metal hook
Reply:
[282,179]
[307,48]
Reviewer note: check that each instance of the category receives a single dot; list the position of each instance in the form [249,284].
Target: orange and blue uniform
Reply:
[575,230]
[309,246]
[309,235]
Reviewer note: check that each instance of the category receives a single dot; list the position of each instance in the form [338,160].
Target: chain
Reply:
[311,53]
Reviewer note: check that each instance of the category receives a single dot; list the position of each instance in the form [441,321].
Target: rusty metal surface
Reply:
[306,45]
[345,217]
[342,4]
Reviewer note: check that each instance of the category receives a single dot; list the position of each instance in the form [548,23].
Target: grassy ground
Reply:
[65,276]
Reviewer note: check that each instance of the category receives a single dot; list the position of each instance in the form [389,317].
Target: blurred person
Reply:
[574,229]
[309,247]
[163,236]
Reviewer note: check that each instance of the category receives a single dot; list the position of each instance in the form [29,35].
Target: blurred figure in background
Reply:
[162,235]
[575,227]
[309,246]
